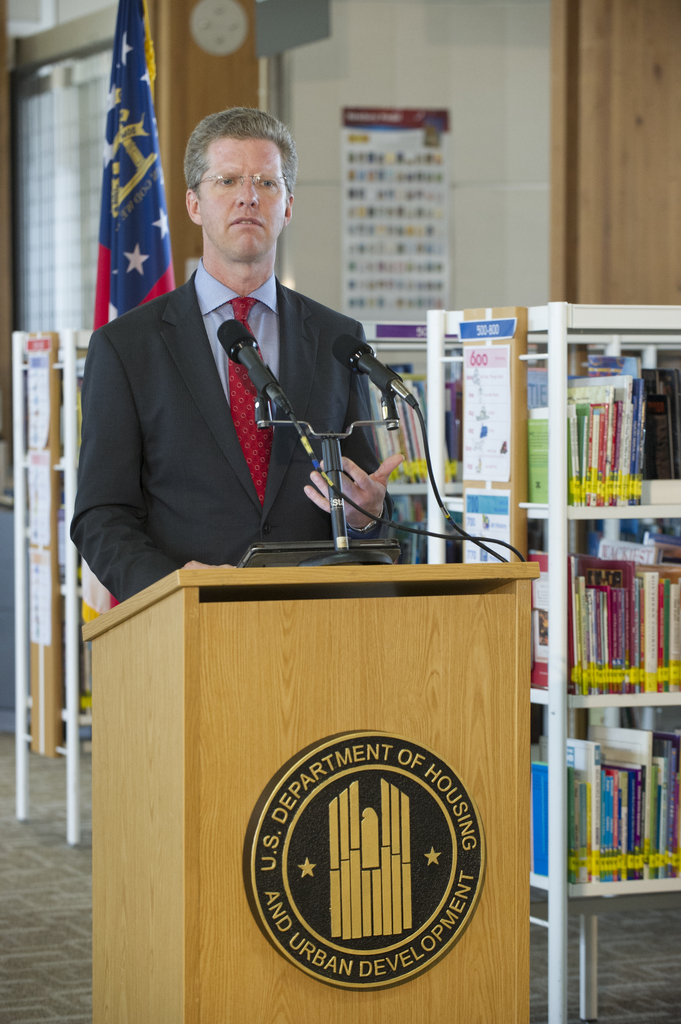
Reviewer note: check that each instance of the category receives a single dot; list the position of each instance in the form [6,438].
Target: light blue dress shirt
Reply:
[214,303]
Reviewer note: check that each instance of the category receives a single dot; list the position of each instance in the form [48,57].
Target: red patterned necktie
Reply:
[255,444]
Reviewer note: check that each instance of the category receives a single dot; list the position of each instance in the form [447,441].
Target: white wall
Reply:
[488,63]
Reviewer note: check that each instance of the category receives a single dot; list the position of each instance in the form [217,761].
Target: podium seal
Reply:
[364,860]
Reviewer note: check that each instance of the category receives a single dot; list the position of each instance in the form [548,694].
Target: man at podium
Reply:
[173,471]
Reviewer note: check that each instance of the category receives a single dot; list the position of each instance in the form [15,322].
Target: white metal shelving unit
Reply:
[647,329]
[621,328]
[410,337]
[69,342]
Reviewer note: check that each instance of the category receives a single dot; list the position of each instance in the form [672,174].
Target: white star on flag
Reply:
[125,49]
[135,260]
[145,78]
[111,99]
[108,153]
[162,223]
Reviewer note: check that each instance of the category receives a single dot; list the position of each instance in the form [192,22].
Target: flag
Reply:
[134,263]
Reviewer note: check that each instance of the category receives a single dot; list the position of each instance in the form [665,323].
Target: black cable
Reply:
[444,509]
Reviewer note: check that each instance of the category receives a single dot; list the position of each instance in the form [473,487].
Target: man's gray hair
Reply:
[238,123]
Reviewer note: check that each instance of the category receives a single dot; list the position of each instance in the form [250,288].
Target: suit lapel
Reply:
[185,337]
[298,341]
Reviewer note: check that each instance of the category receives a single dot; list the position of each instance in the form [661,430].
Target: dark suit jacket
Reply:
[162,478]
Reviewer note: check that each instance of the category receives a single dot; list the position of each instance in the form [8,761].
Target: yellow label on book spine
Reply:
[595,866]
[651,682]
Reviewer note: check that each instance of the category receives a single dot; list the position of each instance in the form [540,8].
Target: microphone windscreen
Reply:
[231,335]
[346,348]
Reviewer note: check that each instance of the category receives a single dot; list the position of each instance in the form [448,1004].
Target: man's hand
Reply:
[367,490]
[202,565]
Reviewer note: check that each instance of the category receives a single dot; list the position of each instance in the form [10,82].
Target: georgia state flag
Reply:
[134,263]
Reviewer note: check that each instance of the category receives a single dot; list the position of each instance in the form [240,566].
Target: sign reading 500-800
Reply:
[364,860]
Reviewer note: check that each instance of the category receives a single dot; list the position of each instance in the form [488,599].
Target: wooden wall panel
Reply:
[190,84]
[616,204]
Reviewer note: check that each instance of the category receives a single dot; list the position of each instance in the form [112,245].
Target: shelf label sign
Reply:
[494,330]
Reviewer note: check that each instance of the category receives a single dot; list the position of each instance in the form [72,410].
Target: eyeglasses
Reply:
[233,183]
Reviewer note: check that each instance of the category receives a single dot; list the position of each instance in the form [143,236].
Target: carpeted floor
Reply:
[45,922]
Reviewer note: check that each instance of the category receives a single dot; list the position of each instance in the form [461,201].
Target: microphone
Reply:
[241,347]
[358,356]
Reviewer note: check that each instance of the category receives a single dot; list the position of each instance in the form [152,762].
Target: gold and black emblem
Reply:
[364,860]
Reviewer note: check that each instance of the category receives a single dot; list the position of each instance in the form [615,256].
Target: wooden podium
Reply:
[205,685]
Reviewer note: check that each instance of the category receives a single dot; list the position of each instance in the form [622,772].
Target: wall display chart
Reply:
[395,226]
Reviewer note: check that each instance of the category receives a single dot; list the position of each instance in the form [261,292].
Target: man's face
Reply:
[240,226]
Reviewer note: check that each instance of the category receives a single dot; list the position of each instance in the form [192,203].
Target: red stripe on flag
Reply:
[102,293]
[165,283]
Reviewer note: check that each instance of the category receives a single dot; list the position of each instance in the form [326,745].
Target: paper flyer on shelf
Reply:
[487,404]
[487,515]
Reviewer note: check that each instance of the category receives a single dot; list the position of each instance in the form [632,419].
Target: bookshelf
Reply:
[643,328]
[58,689]
[646,329]
[402,341]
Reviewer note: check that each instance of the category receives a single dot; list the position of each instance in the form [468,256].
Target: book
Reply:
[667,383]
[601,625]
[629,551]
[540,622]
[658,439]
[606,366]
[538,455]
[537,387]
[604,440]
[540,818]
[631,749]
[584,756]
[666,746]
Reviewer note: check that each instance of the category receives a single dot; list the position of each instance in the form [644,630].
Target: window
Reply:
[60,118]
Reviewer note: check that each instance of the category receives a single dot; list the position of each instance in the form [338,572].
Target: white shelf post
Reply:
[436,318]
[588,966]
[71,625]
[558,552]
[20,579]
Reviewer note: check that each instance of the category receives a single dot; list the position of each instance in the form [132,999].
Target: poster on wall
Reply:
[395,231]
